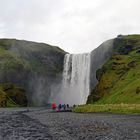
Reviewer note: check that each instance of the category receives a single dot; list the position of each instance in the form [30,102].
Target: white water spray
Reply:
[76,79]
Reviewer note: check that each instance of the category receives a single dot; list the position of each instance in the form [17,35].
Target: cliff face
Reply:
[98,57]
[34,66]
[30,72]
[119,77]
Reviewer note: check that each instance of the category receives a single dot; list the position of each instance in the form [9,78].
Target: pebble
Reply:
[42,124]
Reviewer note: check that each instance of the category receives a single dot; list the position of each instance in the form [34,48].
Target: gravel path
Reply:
[93,126]
[14,125]
[42,124]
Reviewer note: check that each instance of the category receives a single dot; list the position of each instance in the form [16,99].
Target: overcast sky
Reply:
[76,26]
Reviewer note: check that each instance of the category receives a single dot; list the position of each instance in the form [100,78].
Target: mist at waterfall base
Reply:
[75,85]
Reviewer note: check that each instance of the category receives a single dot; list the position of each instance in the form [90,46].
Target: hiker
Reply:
[67,106]
[54,106]
[74,106]
[59,107]
[64,107]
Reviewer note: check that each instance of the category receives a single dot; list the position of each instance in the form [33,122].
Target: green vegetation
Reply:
[12,95]
[22,61]
[30,57]
[119,78]
[112,108]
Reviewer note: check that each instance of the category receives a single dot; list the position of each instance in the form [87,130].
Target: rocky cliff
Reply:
[98,57]
[119,78]
[30,72]
[33,66]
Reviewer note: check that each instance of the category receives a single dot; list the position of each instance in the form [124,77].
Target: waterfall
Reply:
[75,86]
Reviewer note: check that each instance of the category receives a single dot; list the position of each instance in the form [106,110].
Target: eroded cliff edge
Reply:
[119,78]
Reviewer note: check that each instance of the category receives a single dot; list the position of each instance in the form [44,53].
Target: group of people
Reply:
[63,107]
[60,106]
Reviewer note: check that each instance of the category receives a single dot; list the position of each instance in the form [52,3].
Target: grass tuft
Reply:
[110,108]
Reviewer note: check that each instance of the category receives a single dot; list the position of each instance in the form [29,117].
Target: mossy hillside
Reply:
[35,57]
[119,78]
[2,98]
[31,57]
[9,59]
[12,95]
[27,63]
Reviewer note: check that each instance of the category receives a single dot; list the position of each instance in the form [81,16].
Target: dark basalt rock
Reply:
[125,50]
[138,51]
[138,90]
[131,64]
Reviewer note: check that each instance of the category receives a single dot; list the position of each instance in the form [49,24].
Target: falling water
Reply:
[76,79]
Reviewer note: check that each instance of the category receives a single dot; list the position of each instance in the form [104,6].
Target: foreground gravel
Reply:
[43,124]
[15,125]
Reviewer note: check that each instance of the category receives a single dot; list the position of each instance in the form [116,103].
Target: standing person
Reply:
[67,106]
[54,106]
[74,106]
[64,107]
[59,107]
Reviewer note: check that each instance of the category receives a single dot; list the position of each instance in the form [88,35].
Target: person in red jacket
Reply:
[54,106]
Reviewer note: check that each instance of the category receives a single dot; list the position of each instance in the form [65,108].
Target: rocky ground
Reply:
[43,124]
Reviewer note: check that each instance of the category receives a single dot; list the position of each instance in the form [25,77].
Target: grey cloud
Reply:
[74,25]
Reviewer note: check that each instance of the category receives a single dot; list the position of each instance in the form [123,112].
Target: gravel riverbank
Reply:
[42,124]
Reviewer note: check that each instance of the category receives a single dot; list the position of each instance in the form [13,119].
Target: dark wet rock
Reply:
[132,64]
[126,49]
[138,51]
[138,90]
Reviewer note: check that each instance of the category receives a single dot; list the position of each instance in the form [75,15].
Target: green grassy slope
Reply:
[27,64]
[119,78]
[20,55]
[12,95]
[109,108]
